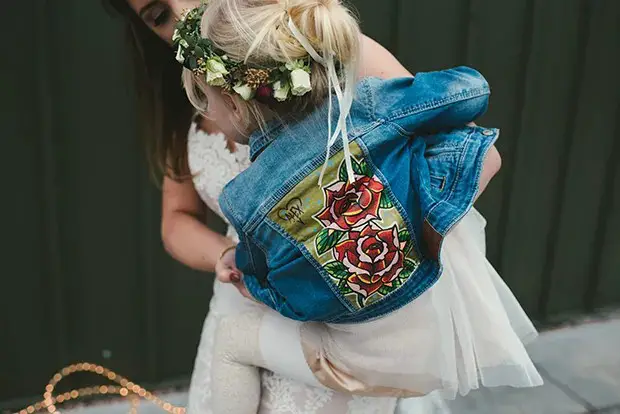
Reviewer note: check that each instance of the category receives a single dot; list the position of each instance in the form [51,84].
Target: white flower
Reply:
[184,43]
[244,90]
[300,79]
[215,72]
[180,57]
[215,79]
[176,36]
[216,65]
[281,90]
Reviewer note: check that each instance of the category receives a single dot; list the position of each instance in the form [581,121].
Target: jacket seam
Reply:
[435,104]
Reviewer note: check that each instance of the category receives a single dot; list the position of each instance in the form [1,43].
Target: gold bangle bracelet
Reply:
[226,250]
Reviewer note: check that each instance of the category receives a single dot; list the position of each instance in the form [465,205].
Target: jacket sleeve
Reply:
[249,258]
[251,261]
[431,101]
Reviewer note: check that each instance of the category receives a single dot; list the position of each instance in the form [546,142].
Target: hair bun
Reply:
[328,25]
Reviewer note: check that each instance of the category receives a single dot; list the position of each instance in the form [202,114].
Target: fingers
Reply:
[235,276]
[228,276]
[226,273]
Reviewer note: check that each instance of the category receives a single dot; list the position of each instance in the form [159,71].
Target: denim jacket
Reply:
[349,252]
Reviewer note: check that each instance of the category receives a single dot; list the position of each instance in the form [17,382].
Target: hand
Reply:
[226,272]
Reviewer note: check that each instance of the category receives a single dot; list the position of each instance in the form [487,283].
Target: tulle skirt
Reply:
[465,332]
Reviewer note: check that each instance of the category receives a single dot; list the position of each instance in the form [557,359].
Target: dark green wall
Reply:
[84,276]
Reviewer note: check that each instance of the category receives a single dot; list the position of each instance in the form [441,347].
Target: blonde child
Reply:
[372,245]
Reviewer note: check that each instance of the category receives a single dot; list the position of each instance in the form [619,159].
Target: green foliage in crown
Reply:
[281,82]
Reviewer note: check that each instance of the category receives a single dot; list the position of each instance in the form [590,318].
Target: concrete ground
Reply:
[581,367]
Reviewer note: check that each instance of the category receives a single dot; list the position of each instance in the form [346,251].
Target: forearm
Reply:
[192,243]
[492,165]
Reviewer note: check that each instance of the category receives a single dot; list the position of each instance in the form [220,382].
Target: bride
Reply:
[198,162]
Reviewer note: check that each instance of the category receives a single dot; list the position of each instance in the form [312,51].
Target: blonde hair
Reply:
[257,33]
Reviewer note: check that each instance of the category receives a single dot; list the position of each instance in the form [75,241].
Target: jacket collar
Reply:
[261,138]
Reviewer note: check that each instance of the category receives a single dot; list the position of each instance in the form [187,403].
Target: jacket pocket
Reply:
[438,183]
[442,168]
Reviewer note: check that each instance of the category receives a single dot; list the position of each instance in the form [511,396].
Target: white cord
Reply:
[345,100]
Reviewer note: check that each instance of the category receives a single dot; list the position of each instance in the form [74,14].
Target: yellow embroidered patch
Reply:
[352,229]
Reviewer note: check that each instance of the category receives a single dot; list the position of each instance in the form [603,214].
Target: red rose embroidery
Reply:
[350,205]
[374,258]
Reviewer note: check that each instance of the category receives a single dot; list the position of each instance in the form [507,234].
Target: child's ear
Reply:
[231,100]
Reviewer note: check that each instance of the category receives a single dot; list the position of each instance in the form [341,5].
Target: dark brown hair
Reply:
[165,112]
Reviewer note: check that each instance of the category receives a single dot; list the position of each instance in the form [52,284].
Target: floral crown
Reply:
[282,82]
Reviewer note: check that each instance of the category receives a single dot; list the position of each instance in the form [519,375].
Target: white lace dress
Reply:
[213,165]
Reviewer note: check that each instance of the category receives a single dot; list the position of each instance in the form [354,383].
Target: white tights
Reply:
[246,342]
[260,338]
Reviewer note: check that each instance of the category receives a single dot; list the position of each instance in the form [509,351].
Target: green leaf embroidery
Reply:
[361,301]
[408,248]
[408,268]
[386,290]
[327,239]
[404,236]
[385,201]
[342,173]
[337,270]
[344,287]
[359,168]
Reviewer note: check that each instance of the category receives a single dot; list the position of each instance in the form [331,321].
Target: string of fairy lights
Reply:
[120,386]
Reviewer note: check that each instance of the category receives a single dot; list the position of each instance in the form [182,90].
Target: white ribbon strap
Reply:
[345,100]
[305,43]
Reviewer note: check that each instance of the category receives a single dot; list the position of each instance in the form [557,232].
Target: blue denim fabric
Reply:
[411,138]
